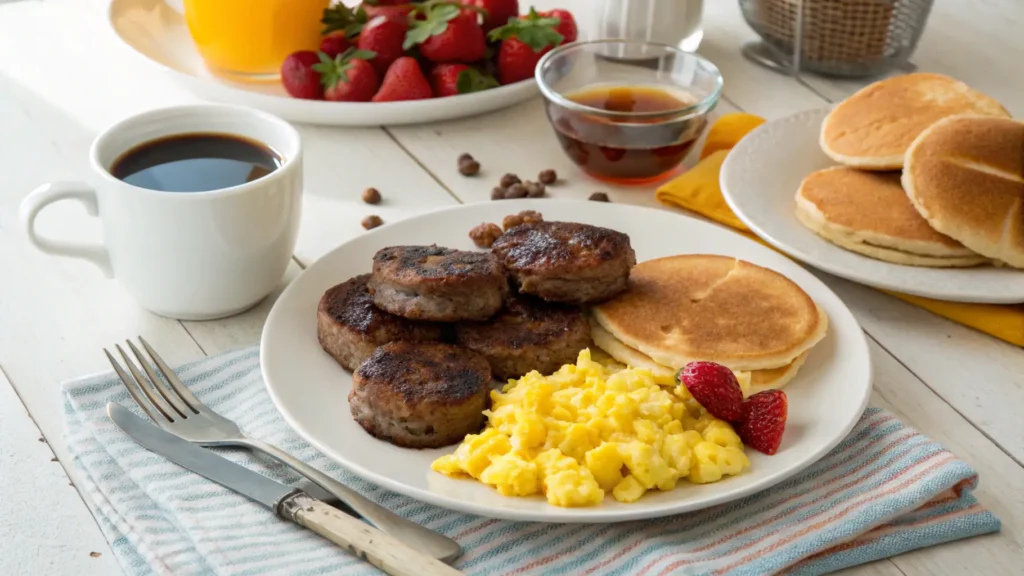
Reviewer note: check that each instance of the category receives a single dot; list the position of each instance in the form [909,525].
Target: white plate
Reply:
[158,32]
[310,389]
[759,179]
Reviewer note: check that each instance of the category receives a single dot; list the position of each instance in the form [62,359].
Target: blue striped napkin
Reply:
[885,490]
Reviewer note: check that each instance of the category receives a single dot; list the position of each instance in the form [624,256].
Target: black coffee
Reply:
[195,163]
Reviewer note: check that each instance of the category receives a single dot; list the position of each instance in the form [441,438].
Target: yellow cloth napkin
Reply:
[697,190]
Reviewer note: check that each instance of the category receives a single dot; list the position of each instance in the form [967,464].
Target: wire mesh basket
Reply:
[839,37]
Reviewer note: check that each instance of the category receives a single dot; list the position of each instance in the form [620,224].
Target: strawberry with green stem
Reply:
[454,79]
[348,77]
[341,18]
[523,43]
[447,32]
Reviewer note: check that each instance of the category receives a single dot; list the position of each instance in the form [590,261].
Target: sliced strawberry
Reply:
[715,388]
[348,77]
[764,421]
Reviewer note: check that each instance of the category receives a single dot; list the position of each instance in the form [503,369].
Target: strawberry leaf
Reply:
[341,17]
[436,22]
[535,31]
[471,80]
[334,71]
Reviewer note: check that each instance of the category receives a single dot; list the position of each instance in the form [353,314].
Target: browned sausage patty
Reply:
[421,394]
[529,334]
[350,327]
[565,261]
[434,283]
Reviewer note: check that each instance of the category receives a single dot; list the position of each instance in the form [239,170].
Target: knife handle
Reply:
[364,541]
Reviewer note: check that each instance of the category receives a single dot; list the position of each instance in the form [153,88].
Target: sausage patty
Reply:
[421,394]
[565,261]
[434,283]
[529,334]
[350,327]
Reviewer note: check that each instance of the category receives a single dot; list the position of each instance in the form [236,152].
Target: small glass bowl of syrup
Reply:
[627,111]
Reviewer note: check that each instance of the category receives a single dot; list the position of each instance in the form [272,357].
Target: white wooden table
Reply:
[64,76]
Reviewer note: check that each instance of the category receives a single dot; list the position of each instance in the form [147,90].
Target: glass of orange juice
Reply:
[249,39]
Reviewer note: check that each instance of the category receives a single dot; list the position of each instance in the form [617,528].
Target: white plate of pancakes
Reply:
[714,295]
[914,184]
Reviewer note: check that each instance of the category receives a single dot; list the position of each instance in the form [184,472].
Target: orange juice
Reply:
[251,38]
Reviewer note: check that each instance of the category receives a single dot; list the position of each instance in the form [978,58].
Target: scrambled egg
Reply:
[591,429]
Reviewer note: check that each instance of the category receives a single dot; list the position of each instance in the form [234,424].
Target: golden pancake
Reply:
[873,128]
[965,176]
[750,382]
[868,213]
[701,307]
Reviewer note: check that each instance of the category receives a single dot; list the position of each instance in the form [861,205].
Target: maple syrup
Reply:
[630,150]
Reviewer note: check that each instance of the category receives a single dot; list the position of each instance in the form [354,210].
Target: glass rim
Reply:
[703,105]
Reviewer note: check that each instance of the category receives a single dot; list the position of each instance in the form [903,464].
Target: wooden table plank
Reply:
[45,527]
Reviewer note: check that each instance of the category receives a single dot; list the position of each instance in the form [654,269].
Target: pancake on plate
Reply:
[750,382]
[701,307]
[965,176]
[868,213]
[873,128]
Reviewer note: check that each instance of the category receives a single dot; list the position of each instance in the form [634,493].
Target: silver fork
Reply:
[175,409]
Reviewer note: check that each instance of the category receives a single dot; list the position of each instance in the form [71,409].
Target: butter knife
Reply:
[364,541]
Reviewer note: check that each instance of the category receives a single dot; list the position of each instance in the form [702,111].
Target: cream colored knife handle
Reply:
[366,542]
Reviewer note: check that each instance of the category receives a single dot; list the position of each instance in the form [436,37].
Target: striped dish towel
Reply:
[885,490]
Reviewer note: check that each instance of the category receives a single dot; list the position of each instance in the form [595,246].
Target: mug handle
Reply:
[53,192]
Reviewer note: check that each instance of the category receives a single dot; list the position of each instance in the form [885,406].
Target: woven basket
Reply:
[842,37]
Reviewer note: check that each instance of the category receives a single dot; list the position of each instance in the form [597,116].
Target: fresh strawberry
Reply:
[497,12]
[764,421]
[566,24]
[383,36]
[455,79]
[404,81]
[299,77]
[341,18]
[348,77]
[715,388]
[448,34]
[524,42]
[385,2]
[400,11]
[335,43]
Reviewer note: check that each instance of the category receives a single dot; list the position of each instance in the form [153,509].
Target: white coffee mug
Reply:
[194,255]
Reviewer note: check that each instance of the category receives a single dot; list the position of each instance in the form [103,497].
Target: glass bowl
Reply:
[627,111]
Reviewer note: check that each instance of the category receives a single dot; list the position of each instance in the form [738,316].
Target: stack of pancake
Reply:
[684,308]
[957,202]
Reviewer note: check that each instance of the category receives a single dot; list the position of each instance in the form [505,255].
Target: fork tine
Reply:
[157,401]
[184,393]
[174,401]
[131,385]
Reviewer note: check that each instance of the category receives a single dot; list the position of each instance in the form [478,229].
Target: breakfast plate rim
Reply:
[321,112]
[762,227]
[552,513]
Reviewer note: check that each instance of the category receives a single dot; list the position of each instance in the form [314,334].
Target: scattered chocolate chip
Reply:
[465,156]
[53,459]
[548,176]
[516,191]
[372,221]
[485,234]
[371,196]
[508,180]
[95,554]
[534,189]
[599,197]
[469,167]
[498,193]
